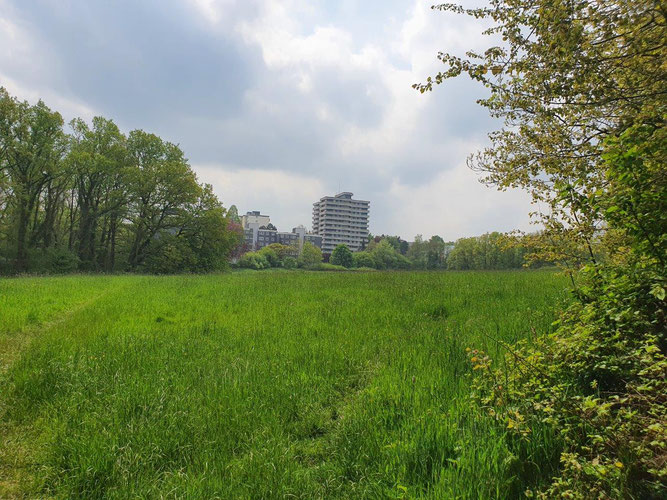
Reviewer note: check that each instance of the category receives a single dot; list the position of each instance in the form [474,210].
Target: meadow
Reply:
[261,384]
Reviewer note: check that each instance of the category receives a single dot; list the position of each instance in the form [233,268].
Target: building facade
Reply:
[255,217]
[341,220]
[257,236]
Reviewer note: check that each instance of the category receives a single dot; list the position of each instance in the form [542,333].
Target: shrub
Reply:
[363,259]
[63,261]
[342,256]
[254,260]
[271,256]
[289,262]
[385,256]
[597,386]
[310,255]
[52,260]
[326,267]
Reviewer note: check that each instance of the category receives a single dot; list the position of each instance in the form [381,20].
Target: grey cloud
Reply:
[141,62]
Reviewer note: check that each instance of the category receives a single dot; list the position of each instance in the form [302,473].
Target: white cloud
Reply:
[68,108]
[285,196]
[455,204]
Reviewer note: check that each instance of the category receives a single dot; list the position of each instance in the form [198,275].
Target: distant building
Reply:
[257,236]
[340,219]
[255,218]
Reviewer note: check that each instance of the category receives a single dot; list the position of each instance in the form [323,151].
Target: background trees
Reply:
[94,199]
[32,144]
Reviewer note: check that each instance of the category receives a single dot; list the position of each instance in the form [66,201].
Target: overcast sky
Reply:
[277,103]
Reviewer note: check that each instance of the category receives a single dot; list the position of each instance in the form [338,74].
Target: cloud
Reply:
[285,196]
[276,102]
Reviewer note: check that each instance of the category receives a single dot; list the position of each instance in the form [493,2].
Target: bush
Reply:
[271,256]
[342,256]
[310,255]
[363,259]
[52,260]
[597,387]
[385,256]
[289,262]
[63,261]
[254,260]
[170,257]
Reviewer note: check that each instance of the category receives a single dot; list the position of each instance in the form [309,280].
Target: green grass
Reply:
[258,385]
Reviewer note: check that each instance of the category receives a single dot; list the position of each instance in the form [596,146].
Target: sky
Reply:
[277,103]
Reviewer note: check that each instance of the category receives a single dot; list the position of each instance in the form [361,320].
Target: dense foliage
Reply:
[97,200]
[582,86]
[286,256]
[342,256]
[489,251]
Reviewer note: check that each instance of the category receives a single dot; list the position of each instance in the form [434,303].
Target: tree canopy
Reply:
[96,199]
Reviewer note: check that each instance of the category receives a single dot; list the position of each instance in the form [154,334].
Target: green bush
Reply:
[310,255]
[385,256]
[363,259]
[254,260]
[597,387]
[271,256]
[289,262]
[52,260]
[342,256]
[62,260]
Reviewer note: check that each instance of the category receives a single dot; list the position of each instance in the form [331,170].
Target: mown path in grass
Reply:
[35,306]
[258,385]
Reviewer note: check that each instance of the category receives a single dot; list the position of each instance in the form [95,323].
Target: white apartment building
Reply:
[254,217]
[340,219]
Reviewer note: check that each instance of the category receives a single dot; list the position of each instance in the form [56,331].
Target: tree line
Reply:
[491,251]
[486,252]
[88,197]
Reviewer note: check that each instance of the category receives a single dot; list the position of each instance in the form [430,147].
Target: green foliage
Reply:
[254,260]
[32,144]
[325,266]
[363,259]
[431,254]
[489,251]
[385,256]
[115,202]
[310,255]
[563,85]
[636,201]
[598,385]
[270,255]
[342,256]
[290,262]
[233,214]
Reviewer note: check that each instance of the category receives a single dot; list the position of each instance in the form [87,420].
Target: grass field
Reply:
[259,385]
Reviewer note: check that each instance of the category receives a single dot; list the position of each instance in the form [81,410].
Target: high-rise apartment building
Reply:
[340,219]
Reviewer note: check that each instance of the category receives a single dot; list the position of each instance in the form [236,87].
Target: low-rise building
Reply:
[257,235]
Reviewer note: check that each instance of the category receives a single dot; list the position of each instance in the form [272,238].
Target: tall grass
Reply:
[300,385]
